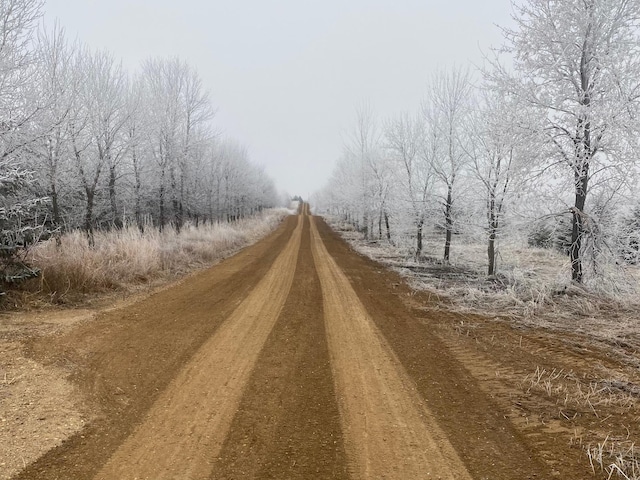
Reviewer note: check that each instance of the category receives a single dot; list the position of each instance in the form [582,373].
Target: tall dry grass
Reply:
[128,257]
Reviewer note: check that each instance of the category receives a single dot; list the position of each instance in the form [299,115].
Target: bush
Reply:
[552,233]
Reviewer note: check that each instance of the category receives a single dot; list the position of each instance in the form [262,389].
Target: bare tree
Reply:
[577,67]
[446,112]
[500,151]
[163,88]
[50,160]
[382,174]
[405,142]
[135,137]
[195,132]
[19,102]
[181,110]
[106,89]
[89,165]
[75,119]
[362,146]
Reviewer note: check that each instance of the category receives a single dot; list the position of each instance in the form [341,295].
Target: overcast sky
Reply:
[286,76]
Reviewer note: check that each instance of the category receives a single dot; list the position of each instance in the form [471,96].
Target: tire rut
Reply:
[296,360]
[122,360]
[389,431]
[288,425]
[187,425]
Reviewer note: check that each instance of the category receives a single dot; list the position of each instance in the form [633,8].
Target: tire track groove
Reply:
[388,430]
[186,427]
[288,423]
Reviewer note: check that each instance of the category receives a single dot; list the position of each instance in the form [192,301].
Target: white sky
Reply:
[287,75]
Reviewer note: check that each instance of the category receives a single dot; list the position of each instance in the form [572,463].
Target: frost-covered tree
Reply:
[85,149]
[500,148]
[106,85]
[178,110]
[629,234]
[362,149]
[382,180]
[446,113]
[50,159]
[195,134]
[21,218]
[23,222]
[136,141]
[343,193]
[84,146]
[576,66]
[407,147]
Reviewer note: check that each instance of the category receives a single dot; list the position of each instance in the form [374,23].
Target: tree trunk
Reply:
[138,192]
[161,200]
[112,197]
[55,204]
[491,252]
[493,229]
[365,223]
[181,215]
[174,201]
[448,217]
[88,216]
[419,238]
[583,157]
[578,230]
[386,222]
[218,213]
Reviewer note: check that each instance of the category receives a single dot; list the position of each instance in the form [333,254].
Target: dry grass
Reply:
[532,288]
[581,394]
[617,458]
[127,257]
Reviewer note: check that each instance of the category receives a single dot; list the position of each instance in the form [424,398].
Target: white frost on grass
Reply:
[532,288]
[129,256]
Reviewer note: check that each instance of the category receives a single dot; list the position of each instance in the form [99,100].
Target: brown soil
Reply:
[299,359]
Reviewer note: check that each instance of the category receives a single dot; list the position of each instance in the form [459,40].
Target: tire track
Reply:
[388,430]
[296,360]
[486,441]
[123,359]
[187,425]
[288,423]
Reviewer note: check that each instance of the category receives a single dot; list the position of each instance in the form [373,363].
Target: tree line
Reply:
[85,144]
[542,138]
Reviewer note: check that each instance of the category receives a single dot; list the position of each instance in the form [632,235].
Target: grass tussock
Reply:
[128,257]
[618,458]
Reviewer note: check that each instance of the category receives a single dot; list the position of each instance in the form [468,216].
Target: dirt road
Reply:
[295,359]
